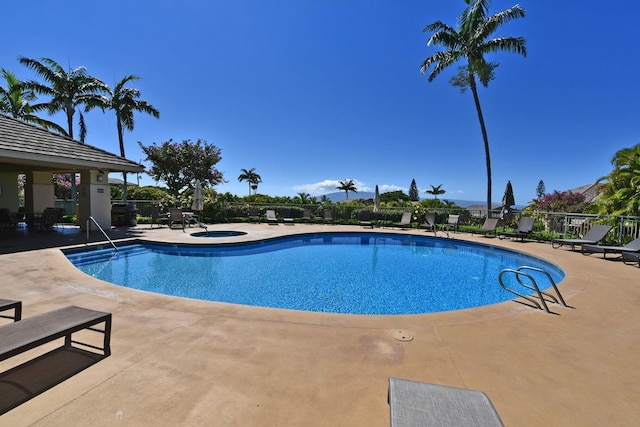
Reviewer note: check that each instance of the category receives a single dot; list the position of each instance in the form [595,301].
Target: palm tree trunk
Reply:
[474,90]
[124,174]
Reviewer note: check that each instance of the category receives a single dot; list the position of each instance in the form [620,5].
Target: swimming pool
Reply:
[362,273]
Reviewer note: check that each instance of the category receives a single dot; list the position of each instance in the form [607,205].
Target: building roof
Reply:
[25,147]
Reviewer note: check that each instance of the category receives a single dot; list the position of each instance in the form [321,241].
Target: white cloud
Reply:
[328,186]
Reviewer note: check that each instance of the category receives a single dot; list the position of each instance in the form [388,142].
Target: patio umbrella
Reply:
[507,201]
[197,204]
[376,200]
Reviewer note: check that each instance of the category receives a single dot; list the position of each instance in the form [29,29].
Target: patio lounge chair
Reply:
[489,227]
[591,237]
[254,214]
[452,222]
[633,246]
[286,217]
[525,229]
[414,403]
[271,216]
[365,219]
[631,258]
[405,221]
[430,222]
[176,217]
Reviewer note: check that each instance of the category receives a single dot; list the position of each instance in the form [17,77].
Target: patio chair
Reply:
[156,217]
[591,237]
[430,222]
[415,403]
[254,214]
[176,217]
[271,216]
[633,246]
[452,222]
[405,221]
[328,215]
[50,217]
[365,219]
[525,229]
[489,227]
[286,217]
[631,258]
[306,215]
[7,220]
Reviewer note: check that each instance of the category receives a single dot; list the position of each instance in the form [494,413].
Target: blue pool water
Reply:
[365,273]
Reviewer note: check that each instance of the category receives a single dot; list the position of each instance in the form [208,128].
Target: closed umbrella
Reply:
[507,201]
[376,200]
[197,204]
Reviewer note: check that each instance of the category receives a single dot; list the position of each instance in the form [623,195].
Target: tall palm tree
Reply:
[346,186]
[471,41]
[124,102]
[435,191]
[251,177]
[67,90]
[15,100]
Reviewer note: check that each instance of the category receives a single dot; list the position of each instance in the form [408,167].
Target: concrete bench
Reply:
[18,337]
[16,306]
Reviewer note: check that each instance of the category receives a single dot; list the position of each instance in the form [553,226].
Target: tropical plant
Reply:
[67,90]
[435,191]
[252,178]
[180,164]
[619,192]
[470,41]
[394,197]
[124,102]
[414,194]
[346,186]
[16,99]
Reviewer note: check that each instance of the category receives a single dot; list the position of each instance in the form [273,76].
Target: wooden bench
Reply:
[16,306]
[29,333]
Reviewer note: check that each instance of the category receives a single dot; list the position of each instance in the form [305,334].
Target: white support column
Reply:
[94,199]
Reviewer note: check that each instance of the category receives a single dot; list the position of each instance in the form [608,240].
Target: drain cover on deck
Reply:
[402,335]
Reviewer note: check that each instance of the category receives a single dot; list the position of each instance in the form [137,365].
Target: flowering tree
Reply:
[180,164]
[565,201]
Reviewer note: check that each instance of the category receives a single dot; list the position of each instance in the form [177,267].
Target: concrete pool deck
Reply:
[178,361]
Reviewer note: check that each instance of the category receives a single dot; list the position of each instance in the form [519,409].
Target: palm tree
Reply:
[471,41]
[619,192]
[435,191]
[251,177]
[66,89]
[15,100]
[124,102]
[346,186]
[303,197]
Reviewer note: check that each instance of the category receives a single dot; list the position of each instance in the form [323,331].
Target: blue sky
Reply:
[310,92]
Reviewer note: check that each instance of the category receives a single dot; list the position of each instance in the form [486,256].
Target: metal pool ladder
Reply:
[520,274]
[92,219]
